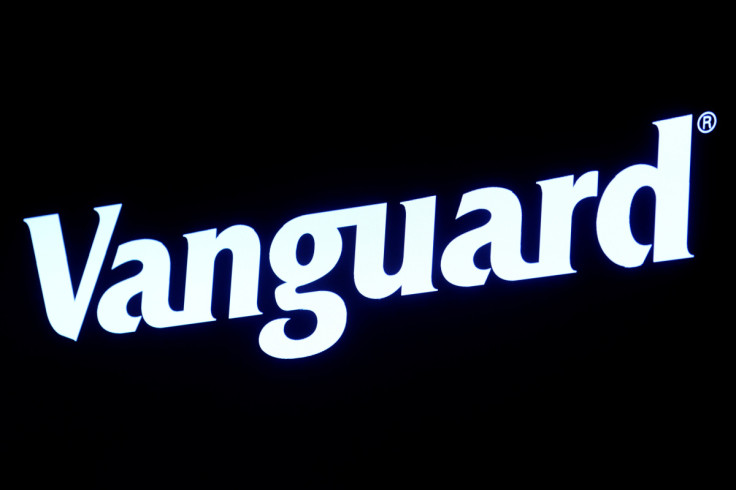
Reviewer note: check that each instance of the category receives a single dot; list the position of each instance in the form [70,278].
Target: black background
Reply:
[607,373]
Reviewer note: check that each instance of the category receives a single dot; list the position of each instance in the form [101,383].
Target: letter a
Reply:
[65,310]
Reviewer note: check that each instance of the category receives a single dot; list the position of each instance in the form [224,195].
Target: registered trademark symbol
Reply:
[707,122]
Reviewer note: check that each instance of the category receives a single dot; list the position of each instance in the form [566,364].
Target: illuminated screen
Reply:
[421,281]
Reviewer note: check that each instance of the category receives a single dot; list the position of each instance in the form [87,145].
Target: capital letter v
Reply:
[65,310]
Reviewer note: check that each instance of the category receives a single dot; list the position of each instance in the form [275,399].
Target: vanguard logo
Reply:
[66,310]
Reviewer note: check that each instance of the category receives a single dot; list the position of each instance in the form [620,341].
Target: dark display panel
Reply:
[609,369]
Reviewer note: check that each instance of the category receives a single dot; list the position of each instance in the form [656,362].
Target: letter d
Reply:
[670,181]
